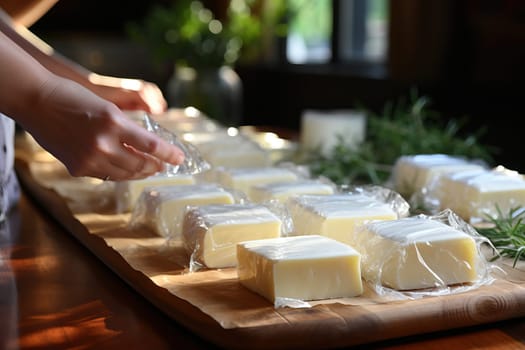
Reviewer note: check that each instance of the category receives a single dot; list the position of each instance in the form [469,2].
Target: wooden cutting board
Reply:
[215,306]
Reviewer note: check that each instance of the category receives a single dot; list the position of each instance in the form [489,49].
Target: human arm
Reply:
[26,12]
[90,135]
[132,94]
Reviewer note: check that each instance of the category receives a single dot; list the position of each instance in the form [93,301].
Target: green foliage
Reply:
[401,129]
[507,233]
[312,19]
[188,33]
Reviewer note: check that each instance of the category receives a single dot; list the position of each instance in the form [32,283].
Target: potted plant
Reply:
[203,40]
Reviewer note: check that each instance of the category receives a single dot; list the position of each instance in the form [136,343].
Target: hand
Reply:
[129,94]
[92,137]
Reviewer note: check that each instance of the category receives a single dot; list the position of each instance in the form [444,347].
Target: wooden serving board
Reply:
[212,304]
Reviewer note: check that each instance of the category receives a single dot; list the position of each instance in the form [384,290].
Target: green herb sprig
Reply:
[507,233]
[400,129]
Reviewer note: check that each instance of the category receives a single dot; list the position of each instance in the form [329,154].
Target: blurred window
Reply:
[324,31]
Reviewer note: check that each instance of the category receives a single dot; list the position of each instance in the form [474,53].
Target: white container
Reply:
[322,129]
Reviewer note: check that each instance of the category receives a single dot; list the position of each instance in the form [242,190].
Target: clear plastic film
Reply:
[243,178]
[477,195]
[383,195]
[229,148]
[423,255]
[415,177]
[279,192]
[193,163]
[210,233]
[292,271]
[162,208]
[338,215]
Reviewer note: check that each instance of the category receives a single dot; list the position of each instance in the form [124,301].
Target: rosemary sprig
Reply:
[507,233]
[400,129]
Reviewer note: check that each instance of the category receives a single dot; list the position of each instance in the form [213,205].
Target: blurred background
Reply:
[466,56]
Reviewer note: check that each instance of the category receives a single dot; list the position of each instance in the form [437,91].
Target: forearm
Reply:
[44,53]
[27,12]
[26,75]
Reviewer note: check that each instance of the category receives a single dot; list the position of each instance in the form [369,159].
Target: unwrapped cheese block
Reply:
[163,207]
[242,179]
[211,232]
[416,172]
[302,267]
[415,253]
[128,192]
[335,216]
[476,194]
[281,191]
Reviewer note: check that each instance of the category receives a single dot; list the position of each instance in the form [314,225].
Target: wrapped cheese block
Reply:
[415,253]
[416,172]
[281,191]
[211,232]
[242,179]
[335,216]
[475,195]
[127,192]
[302,267]
[232,151]
[162,208]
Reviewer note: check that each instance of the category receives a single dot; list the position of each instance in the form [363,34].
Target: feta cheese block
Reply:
[475,194]
[163,207]
[281,191]
[128,192]
[414,173]
[300,267]
[242,179]
[335,216]
[416,253]
[211,232]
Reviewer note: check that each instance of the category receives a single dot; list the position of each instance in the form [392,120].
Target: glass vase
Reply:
[217,92]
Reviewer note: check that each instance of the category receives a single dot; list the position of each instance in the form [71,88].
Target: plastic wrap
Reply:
[290,271]
[162,208]
[423,256]
[336,216]
[228,148]
[382,194]
[415,176]
[184,120]
[128,192]
[242,179]
[477,195]
[193,161]
[211,232]
[281,191]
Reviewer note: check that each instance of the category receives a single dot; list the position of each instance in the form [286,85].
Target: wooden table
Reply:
[55,294]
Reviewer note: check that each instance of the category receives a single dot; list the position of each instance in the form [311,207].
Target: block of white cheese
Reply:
[474,195]
[335,216]
[242,179]
[128,192]
[416,172]
[240,157]
[415,253]
[231,151]
[163,207]
[211,232]
[281,191]
[300,267]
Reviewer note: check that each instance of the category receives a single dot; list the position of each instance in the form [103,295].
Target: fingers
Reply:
[149,143]
[154,99]
[126,163]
